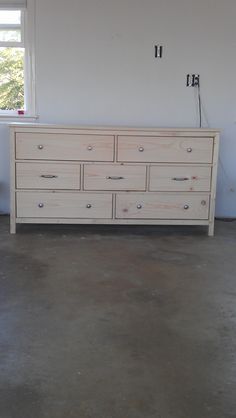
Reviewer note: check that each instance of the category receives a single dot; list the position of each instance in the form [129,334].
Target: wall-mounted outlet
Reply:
[193,80]
[158,51]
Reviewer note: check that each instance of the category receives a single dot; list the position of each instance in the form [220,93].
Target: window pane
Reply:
[11,35]
[12,78]
[10,17]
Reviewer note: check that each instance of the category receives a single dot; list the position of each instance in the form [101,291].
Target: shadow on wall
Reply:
[4,198]
[4,169]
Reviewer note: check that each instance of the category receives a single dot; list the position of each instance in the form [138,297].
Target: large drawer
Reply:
[51,146]
[162,206]
[114,177]
[64,205]
[46,175]
[165,149]
[180,178]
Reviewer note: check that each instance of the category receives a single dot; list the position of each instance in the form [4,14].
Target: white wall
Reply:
[95,65]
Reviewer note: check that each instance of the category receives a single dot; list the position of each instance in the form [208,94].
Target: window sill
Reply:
[17,118]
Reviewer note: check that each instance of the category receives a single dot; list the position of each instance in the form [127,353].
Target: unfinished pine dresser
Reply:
[95,175]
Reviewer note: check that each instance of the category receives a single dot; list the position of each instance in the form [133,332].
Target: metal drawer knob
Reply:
[141,149]
[186,207]
[40,147]
[139,206]
[88,206]
[90,148]
[189,149]
[203,202]
[40,205]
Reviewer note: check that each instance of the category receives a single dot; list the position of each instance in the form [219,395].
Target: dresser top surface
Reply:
[123,129]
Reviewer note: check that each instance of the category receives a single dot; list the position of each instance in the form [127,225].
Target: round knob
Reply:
[40,205]
[141,149]
[89,206]
[189,149]
[203,202]
[139,206]
[40,146]
[90,148]
[186,207]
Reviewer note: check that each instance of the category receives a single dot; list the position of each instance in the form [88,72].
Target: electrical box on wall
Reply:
[193,80]
[158,51]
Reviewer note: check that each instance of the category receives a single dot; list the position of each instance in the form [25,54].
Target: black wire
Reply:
[199,105]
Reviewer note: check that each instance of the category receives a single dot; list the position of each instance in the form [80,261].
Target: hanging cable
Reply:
[199,104]
[202,113]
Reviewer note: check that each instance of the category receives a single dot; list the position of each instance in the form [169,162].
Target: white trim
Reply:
[11,4]
[17,118]
[13,116]
[29,36]
[11,45]
[20,26]
[10,26]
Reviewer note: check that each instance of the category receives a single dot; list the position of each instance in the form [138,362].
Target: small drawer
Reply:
[51,146]
[114,177]
[162,206]
[47,176]
[64,205]
[165,149]
[180,178]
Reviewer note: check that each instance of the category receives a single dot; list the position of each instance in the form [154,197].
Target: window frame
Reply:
[11,26]
[28,43]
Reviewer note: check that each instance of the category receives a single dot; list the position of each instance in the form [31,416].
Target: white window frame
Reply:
[9,26]
[27,42]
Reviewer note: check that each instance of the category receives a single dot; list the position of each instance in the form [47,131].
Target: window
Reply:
[17,96]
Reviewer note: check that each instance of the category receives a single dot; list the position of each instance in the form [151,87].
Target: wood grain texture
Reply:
[213,186]
[162,206]
[94,221]
[12,183]
[114,177]
[114,130]
[165,149]
[51,146]
[39,175]
[63,205]
[126,175]
[171,178]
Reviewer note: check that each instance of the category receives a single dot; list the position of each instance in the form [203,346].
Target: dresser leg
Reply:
[211,229]
[12,227]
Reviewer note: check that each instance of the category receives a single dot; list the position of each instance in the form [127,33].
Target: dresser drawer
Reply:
[162,206]
[180,178]
[47,176]
[51,146]
[64,205]
[165,149]
[114,177]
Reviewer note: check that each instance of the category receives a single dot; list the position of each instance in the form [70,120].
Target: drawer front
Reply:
[64,205]
[114,177]
[165,149]
[47,176]
[180,178]
[50,146]
[162,206]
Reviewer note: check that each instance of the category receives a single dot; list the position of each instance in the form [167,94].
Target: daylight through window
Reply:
[12,62]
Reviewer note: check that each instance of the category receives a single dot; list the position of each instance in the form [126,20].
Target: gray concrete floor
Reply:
[105,322]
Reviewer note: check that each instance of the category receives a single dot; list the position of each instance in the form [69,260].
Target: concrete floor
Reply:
[130,322]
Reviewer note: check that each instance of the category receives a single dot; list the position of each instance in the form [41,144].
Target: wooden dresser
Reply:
[96,175]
